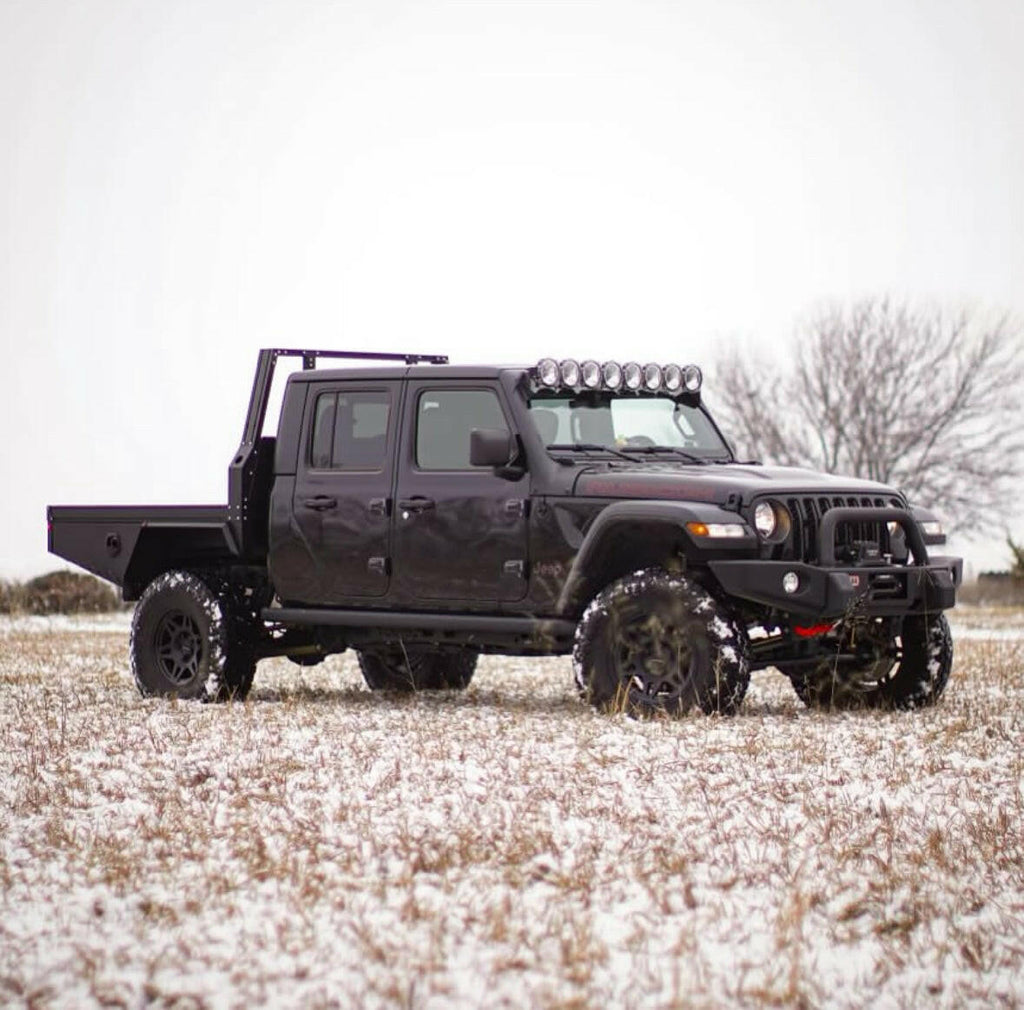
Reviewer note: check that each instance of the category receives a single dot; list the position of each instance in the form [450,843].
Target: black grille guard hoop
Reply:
[834,516]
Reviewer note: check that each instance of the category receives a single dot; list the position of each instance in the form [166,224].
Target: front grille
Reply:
[806,512]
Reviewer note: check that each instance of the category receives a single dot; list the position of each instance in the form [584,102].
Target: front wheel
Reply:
[902,669]
[398,668]
[186,641]
[656,642]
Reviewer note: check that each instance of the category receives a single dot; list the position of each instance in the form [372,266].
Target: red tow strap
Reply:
[812,630]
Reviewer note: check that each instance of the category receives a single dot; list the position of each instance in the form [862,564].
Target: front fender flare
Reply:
[630,535]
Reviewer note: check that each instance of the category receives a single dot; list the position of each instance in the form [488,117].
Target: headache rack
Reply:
[267,361]
[250,470]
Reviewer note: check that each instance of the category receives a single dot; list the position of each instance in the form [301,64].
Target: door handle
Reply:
[321,503]
[416,504]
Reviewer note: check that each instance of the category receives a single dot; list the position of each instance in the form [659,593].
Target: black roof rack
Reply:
[268,359]
[309,357]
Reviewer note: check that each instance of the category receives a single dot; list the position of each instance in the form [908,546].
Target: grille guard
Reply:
[834,516]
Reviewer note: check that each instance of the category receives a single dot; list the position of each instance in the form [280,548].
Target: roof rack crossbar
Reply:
[309,357]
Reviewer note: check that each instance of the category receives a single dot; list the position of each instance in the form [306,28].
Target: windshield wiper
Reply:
[651,450]
[587,447]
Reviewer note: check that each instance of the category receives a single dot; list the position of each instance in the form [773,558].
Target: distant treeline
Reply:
[994,589]
[58,593]
[75,593]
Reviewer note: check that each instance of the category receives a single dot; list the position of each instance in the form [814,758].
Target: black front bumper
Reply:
[830,592]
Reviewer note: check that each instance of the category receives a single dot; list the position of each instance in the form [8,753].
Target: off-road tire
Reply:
[654,642]
[912,671]
[187,641]
[417,669]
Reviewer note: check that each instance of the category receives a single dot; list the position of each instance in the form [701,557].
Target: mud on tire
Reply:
[417,669]
[187,641]
[656,642]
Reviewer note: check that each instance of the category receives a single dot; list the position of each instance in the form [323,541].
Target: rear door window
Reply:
[350,430]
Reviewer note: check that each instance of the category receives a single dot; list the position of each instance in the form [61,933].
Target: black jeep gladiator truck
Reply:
[423,513]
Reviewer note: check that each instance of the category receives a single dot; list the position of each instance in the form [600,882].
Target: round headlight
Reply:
[591,374]
[570,372]
[764,519]
[692,378]
[673,378]
[632,375]
[611,372]
[652,377]
[547,372]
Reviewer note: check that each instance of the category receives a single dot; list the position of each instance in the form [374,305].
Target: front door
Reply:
[342,503]
[460,530]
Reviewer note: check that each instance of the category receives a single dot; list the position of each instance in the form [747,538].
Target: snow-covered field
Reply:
[321,846]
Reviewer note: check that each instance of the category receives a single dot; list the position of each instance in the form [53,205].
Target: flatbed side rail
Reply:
[129,545]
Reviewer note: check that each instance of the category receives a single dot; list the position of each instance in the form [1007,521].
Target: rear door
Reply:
[342,503]
[460,532]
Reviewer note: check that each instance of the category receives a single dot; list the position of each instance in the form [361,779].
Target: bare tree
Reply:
[916,397]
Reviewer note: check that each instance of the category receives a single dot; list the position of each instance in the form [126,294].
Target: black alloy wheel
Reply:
[190,641]
[657,643]
[880,663]
[179,647]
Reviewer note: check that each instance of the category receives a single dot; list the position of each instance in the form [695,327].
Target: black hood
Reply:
[719,483]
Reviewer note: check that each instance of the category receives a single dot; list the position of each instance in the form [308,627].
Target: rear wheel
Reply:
[658,643]
[187,641]
[398,668]
[904,666]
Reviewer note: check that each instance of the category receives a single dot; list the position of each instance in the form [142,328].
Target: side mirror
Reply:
[491,447]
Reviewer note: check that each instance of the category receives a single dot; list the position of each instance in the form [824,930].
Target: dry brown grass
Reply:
[322,846]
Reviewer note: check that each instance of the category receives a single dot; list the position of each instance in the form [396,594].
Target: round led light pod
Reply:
[672,376]
[570,372]
[590,371]
[632,376]
[764,519]
[547,372]
[611,372]
[652,377]
[790,582]
[692,378]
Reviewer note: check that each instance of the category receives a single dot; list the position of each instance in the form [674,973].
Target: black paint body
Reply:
[504,559]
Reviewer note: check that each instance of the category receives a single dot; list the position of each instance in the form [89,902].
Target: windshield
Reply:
[627,423]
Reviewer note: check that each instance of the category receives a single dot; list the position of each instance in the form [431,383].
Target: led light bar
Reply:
[631,377]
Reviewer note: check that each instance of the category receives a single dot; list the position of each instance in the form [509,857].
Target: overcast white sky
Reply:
[183,183]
